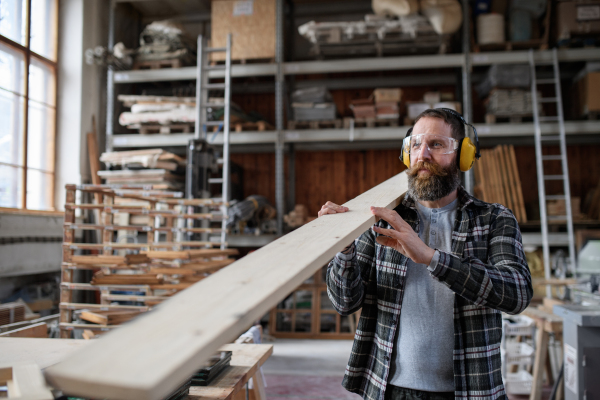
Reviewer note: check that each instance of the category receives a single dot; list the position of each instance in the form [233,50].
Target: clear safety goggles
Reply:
[436,144]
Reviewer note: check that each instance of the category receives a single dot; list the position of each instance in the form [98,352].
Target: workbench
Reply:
[246,360]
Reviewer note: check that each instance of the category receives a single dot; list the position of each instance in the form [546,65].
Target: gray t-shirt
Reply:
[423,354]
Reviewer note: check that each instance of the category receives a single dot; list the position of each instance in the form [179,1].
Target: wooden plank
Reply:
[25,381]
[39,330]
[121,366]
[43,352]
[518,185]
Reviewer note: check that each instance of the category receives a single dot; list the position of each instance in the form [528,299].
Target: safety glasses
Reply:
[436,144]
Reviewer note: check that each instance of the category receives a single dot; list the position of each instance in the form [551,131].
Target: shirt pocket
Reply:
[477,249]
[390,270]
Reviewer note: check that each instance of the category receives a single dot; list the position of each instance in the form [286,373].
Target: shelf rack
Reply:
[280,69]
[164,266]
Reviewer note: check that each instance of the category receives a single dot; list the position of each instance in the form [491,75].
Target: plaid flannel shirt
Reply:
[486,270]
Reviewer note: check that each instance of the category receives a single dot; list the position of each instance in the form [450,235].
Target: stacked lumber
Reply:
[11,313]
[148,158]
[297,217]
[497,180]
[162,178]
[167,261]
[157,110]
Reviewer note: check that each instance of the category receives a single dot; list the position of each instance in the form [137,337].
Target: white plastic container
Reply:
[518,383]
[523,326]
[490,28]
[518,353]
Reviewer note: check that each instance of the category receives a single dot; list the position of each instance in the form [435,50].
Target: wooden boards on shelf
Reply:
[497,180]
[151,356]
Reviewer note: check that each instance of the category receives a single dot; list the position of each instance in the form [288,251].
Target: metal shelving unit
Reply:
[279,70]
[573,128]
[360,65]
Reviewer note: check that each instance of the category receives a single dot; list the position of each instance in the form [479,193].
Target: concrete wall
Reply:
[83,24]
[30,244]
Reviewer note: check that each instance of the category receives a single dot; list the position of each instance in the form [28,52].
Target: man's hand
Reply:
[402,238]
[331,208]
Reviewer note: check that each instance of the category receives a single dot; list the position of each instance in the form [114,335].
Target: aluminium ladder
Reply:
[542,138]
[203,103]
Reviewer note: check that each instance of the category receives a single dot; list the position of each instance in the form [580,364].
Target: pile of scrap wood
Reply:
[157,110]
[148,158]
[171,114]
[11,313]
[497,180]
[144,167]
[297,217]
[149,277]
[159,178]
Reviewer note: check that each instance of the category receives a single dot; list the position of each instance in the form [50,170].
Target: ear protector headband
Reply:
[467,151]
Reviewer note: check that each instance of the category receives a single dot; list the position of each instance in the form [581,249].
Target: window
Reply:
[28,47]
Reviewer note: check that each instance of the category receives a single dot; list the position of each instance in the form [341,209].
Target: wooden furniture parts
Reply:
[547,324]
[188,328]
[307,313]
[148,277]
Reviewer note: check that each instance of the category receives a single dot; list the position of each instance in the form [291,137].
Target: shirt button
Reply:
[394,322]
[387,358]
[434,221]
[433,232]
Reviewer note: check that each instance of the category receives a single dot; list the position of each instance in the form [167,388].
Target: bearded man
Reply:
[431,279]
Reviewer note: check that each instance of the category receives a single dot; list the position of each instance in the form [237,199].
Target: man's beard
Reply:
[439,183]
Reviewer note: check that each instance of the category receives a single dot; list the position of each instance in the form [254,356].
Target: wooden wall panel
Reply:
[261,103]
[339,176]
[584,170]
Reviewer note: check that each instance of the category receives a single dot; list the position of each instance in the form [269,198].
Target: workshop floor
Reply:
[313,370]
[307,370]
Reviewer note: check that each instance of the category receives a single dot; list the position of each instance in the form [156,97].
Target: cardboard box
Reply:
[453,105]
[432,97]
[577,18]
[387,110]
[363,108]
[387,95]
[252,25]
[414,109]
[588,90]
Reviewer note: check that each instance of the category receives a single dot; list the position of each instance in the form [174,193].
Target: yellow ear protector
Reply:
[467,151]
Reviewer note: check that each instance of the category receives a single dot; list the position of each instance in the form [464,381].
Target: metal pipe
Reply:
[279,146]
[466,85]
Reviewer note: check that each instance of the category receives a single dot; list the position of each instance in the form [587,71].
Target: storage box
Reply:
[363,108]
[578,18]
[432,97]
[414,109]
[387,95]
[588,89]
[453,105]
[387,110]
[252,25]
[518,383]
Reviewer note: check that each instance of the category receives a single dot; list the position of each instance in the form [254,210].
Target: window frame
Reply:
[28,56]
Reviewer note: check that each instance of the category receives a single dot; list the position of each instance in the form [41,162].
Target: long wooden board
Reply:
[154,354]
